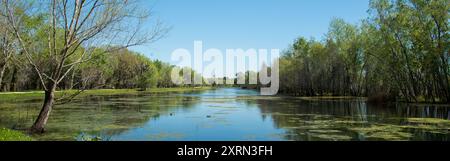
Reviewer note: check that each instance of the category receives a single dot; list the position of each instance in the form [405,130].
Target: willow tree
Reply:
[74,28]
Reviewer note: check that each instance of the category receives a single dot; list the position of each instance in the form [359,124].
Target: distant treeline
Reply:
[400,52]
[119,69]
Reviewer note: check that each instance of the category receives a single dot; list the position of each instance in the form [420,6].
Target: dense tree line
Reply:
[400,52]
[123,69]
[111,67]
[113,70]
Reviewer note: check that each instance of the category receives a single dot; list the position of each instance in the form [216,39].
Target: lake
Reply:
[230,114]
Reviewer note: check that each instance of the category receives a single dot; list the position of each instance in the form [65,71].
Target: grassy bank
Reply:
[12,135]
[18,96]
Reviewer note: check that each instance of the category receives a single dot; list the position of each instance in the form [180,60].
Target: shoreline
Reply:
[8,96]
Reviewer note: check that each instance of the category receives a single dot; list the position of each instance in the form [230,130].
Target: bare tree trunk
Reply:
[13,82]
[41,121]
[2,73]
[72,77]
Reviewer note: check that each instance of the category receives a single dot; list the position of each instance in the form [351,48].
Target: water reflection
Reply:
[356,120]
[230,114]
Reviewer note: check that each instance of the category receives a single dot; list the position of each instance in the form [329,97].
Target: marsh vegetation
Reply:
[228,114]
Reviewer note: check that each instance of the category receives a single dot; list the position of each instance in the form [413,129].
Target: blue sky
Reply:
[267,24]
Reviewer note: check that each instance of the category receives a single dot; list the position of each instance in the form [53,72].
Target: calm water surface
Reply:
[230,114]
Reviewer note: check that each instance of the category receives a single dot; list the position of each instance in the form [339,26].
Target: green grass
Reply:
[6,96]
[11,135]
[19,96]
